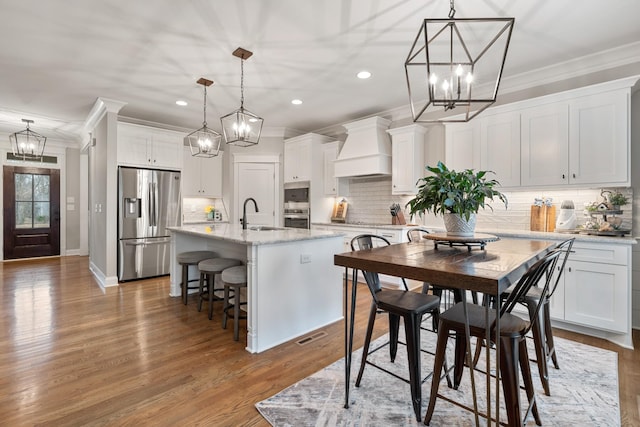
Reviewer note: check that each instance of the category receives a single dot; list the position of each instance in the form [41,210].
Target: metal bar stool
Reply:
[208,270]
[186,259]
[234,279]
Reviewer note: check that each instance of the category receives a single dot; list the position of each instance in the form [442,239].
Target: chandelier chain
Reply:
[452,9]
[204,120]
[241,83]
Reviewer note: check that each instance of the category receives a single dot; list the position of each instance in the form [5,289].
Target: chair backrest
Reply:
[565,249]
[415,234]
[541,271]
[367,242]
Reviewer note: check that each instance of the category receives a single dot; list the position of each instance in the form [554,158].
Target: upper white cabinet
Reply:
[407,158]
[332,186]
[599,149]
[202,176]
[584,140]
[149,147]
[463,145]
[545,143]
[500,147]
[297,159]
[574,138]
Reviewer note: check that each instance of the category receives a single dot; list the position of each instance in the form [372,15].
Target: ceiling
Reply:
[59,56]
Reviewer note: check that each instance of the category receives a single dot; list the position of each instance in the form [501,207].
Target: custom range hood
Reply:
[366,151]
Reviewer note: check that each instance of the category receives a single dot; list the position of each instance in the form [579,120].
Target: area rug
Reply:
[584,392]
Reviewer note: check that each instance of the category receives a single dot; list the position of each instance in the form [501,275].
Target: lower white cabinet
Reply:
[596,286]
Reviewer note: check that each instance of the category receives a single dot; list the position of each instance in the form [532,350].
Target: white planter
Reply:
[458,226]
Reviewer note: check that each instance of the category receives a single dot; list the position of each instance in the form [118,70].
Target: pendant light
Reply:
[204,142]
[455,66]
[28,144]
[241,127]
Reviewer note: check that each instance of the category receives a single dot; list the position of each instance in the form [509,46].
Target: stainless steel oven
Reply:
[296,207]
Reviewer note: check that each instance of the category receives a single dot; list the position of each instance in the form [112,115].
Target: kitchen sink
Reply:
[263,228]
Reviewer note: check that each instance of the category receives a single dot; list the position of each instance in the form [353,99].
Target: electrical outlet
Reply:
[193,208]
[305,258]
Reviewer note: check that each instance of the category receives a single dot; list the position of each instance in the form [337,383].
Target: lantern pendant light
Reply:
[28,144]
[204,142]
[455,66]
[241,127]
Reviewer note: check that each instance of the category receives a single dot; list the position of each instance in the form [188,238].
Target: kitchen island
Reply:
[293,287]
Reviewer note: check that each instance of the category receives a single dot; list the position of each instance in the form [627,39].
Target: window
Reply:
[32,200]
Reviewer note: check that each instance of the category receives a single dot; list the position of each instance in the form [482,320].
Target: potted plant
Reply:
[616,200]
[456,195]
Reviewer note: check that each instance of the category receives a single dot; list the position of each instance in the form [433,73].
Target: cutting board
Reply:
[543,218]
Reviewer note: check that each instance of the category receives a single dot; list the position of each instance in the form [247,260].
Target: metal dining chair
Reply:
[541,330]
[513,347]
[405,304]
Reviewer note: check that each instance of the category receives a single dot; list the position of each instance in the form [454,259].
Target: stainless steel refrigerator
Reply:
[148,203]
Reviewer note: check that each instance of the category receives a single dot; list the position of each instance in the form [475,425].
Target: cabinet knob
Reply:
[574,175]
[569,269]
[563,177]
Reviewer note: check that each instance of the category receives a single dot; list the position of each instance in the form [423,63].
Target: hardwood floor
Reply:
[72,355]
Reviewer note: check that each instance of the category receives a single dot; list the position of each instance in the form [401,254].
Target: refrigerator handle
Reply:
[155,204]
[150,204]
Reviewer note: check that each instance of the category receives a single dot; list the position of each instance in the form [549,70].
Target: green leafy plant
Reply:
[618,199]
[448,191]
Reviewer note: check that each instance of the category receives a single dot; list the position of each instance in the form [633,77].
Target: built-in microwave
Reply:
[296,207]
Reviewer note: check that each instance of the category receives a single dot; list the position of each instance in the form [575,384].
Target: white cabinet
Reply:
[500,147]
[463,146]
[582,141]
[202,176]
[297,160]
[599,149]
[332,186]
[545,144]
[407,158]
[149,147]
[597,286]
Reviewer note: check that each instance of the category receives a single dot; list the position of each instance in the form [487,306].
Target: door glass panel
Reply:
[24,186]
[41,214]
[23,215]
[41,188]
[32,201]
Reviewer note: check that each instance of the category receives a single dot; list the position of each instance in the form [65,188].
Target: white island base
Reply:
[293,287]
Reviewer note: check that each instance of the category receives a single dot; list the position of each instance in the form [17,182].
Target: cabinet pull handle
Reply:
[569,269]
[574,175]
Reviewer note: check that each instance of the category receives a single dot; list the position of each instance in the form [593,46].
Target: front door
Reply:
[31,205]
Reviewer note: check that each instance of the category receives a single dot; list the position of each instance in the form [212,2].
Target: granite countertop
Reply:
[367,225]
[501,233]
[234,233]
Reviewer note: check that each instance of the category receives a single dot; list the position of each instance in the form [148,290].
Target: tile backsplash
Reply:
[370,198]
[193,209]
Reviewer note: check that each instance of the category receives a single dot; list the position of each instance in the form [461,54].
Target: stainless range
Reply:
[296,207]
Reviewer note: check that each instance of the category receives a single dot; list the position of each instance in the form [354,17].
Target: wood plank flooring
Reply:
[71,354]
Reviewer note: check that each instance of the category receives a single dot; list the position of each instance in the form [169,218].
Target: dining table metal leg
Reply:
[349,324]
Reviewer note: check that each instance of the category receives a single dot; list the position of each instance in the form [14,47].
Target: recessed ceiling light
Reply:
[363,75]
[296,101]
[181,103]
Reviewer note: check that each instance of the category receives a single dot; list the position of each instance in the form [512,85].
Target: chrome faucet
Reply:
[244,211]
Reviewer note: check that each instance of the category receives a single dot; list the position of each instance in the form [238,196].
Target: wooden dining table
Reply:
[489,270]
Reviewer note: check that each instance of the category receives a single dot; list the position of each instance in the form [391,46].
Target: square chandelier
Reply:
[454,67]
[241,127]
[28,144]
[204,142]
